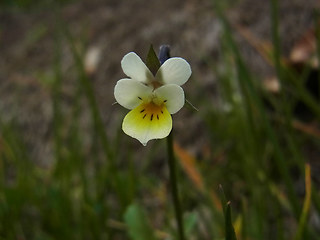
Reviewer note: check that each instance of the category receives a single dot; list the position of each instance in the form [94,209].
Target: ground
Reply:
[111,29]
[38,44]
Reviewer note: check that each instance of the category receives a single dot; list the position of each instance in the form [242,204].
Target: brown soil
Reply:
[114,28]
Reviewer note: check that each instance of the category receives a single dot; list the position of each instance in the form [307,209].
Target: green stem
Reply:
[174,186]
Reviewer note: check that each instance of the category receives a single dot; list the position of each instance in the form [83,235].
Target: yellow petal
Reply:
[148,121]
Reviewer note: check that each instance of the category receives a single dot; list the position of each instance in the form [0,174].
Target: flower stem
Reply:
[174,187]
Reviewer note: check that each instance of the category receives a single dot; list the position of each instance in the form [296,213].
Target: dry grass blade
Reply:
[264,48]
[188,163]
[306,128]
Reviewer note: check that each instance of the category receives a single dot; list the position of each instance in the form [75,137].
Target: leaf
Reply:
[152,61]
[189,222]
[138,225]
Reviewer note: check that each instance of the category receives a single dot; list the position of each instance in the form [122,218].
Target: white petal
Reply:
[172,95]
[147,121]
[174,71]
[134,67]
[131,93]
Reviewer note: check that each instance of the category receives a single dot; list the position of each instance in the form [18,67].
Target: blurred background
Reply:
[67,171]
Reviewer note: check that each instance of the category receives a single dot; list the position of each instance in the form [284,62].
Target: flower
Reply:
[151,99]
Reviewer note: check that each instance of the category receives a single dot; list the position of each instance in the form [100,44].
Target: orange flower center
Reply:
[151,111]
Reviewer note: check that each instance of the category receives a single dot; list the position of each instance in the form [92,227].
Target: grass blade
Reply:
[230,233]
[306,204]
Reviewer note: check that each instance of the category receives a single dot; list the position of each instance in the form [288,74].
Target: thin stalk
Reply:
[56,95]
[280,73]
[174,186]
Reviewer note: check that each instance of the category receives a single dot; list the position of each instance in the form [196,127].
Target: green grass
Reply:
[95,190]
